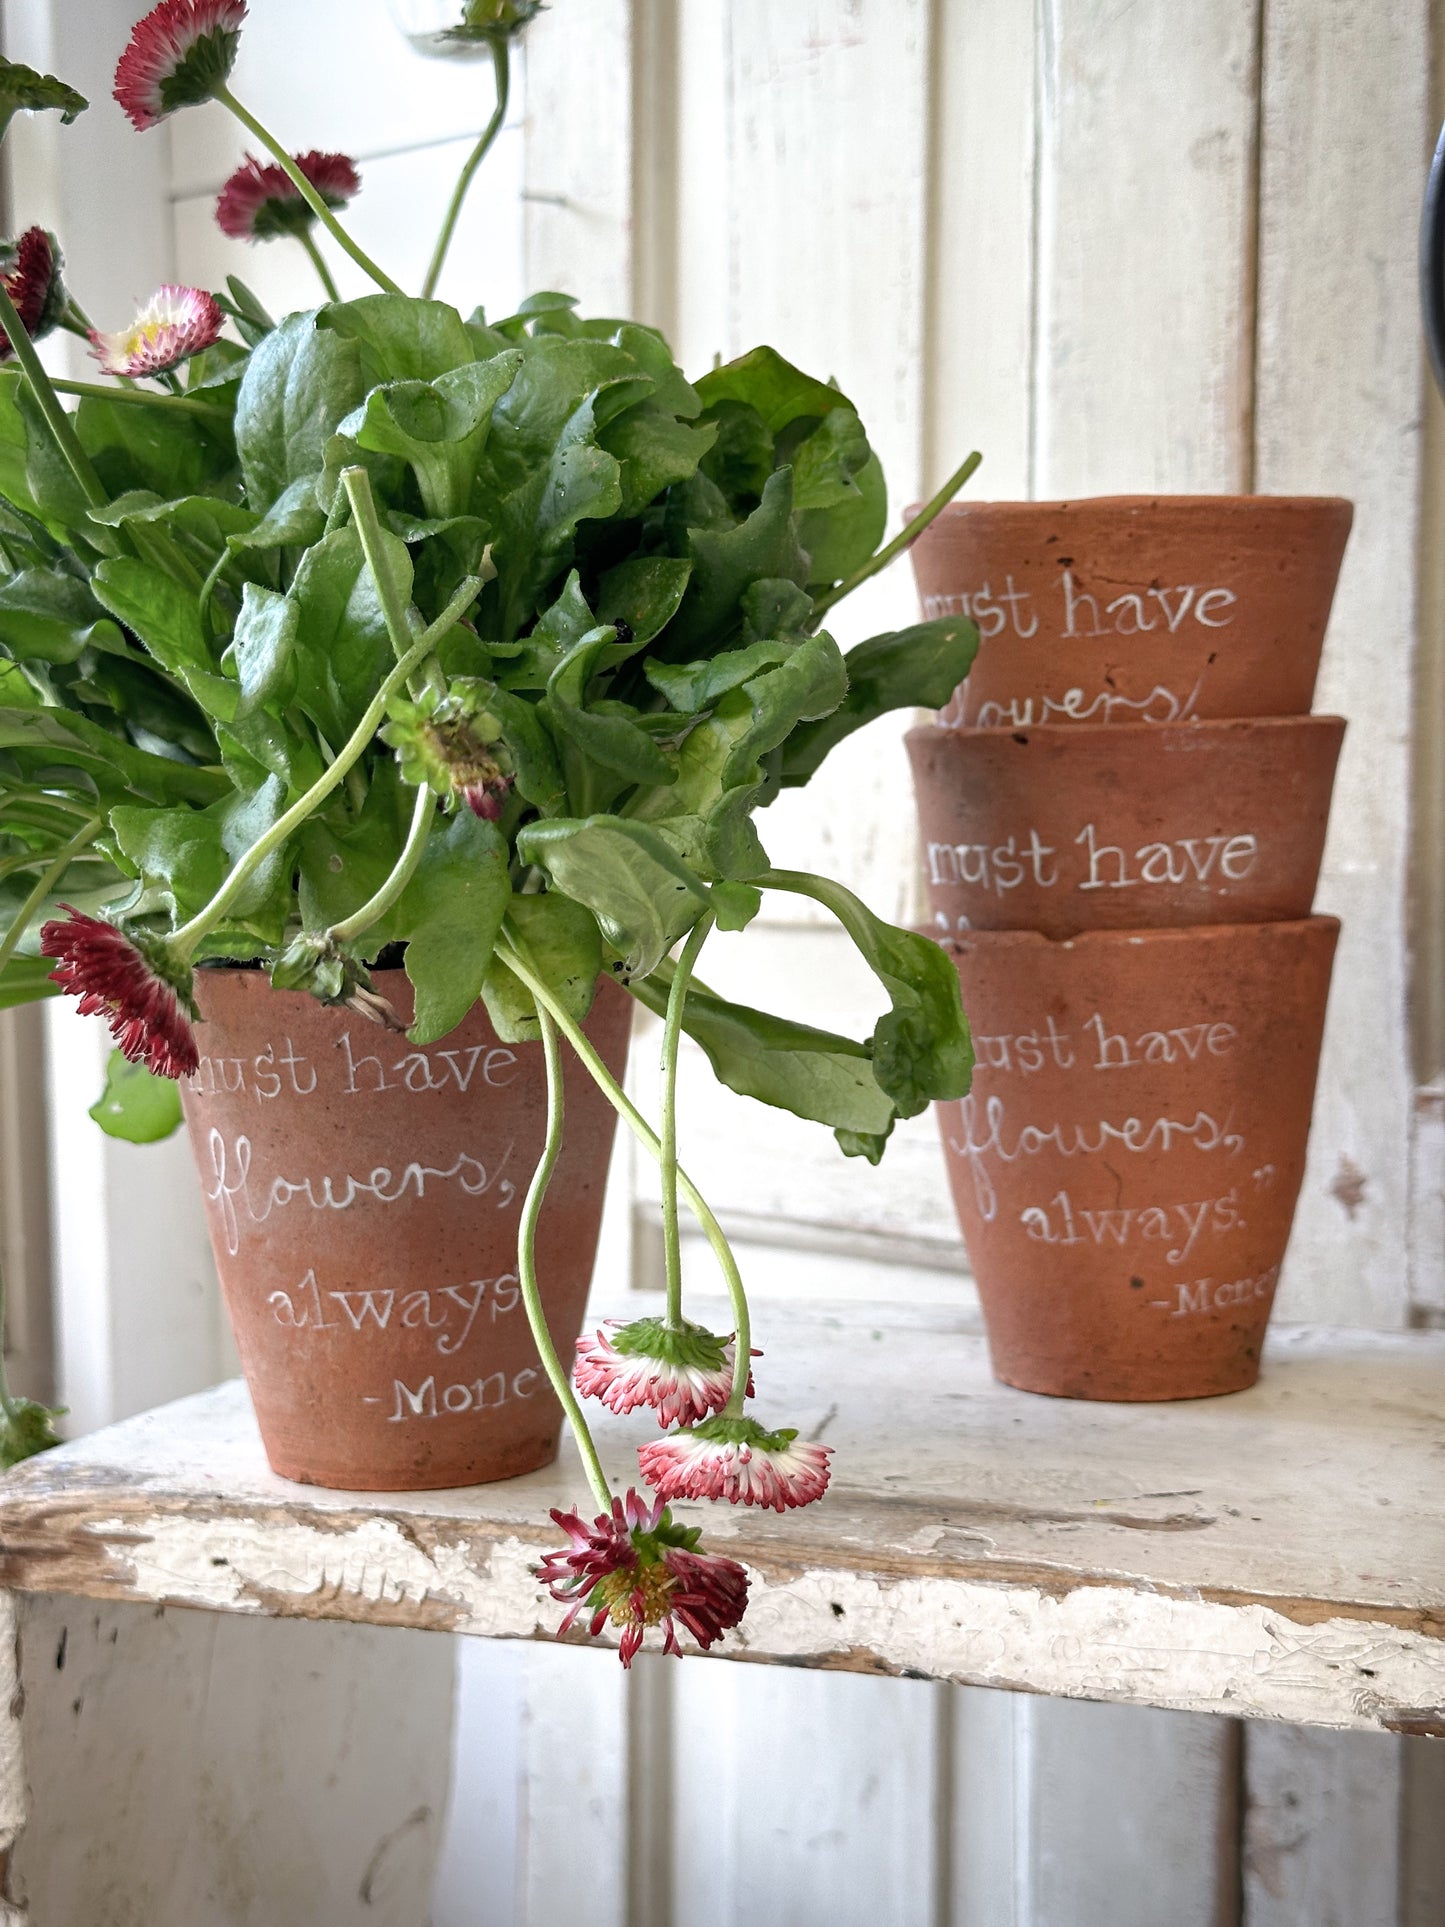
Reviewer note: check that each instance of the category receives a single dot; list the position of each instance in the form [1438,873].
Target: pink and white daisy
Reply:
[30,269]
[143,994]
[175,323]
[685,1372]
[261,201]
[635,1568]
[735,1459]
[180,54]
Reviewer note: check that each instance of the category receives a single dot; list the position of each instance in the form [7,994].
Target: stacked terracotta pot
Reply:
[1123,811]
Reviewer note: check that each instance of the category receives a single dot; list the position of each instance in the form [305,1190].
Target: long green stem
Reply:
[527,1270]
[357,484]
[43,389]
[318,261]
[44,884]
[143,397]
[473,162]
[909,533]
[376,906]
[667,1161]
[307,192]
[513,953]
[184,940]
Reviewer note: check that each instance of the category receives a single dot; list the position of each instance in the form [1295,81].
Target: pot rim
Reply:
[1193,933]
[1216,727]
[1138,505]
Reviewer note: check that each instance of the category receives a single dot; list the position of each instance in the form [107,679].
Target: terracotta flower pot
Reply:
[1127,1163]
[363,1199]
[1136,608]
[1128,826]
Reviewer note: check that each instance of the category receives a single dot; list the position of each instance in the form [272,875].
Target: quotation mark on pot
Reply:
[1264,1177]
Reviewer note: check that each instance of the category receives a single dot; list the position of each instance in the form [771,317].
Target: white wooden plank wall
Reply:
[1118,248]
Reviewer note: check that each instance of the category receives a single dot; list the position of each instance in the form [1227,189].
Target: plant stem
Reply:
[184,940]
[307,192]
[667,1161]
[909,533]
[527,1270]
[377,906]
[318,261]
[512,951]
[58,421]
[469,168]
[146,397]
[44,884]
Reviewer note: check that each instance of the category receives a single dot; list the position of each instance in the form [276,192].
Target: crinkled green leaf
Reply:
[839,540]
[725,564]
[919,667]
[300,383]
[781,393]
[342,648]
[641,892]
[48,616]
[439,428]
[263,648]
[644,592]
[400,338]
[613,740]
[23,87]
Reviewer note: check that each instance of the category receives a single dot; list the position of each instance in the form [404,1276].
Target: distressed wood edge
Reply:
[1075,1636]
[14,1791]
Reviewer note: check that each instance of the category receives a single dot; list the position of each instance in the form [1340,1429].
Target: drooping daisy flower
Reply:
[175,323]
[180,54]
[735,1459]
[143,994]
[260,201]
[687,1373]
[635,1568]
[454,744]
[30,269]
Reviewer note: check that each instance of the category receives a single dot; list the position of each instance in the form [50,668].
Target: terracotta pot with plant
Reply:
[385,663]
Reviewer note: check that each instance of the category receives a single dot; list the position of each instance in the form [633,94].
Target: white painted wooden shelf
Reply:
[1279,1553]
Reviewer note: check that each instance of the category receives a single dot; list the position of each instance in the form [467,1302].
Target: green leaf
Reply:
[741,459]
[641,892]
[911,668]
[23,87]
[921,1048]
[779,392]
[294,520]
[773,609]
[172,452]
[563,941]
[136,1105]
[300,383]
[25,979]
[450,913]
[536,522]
[167,619]
[104,765]
[691,686]
[342,649]
[539,774]
[613,740]
[183,856]
[839,540]
[438,427]
[826,462]
[400,338]
[49,617]
[26,1429]
[726,562]
[735,904]
[263,645]
[812,1073]
[644,592]
[655,450]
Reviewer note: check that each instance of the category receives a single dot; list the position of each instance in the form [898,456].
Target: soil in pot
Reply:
[1139,825]
[1127,1163]
[1135,608]
[363,1197]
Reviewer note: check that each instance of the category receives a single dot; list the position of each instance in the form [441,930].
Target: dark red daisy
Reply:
[635,1568]
[143,994]
[261,201]
[30,269]
[180,54]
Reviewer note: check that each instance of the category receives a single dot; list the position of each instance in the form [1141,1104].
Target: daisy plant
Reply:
[384,630]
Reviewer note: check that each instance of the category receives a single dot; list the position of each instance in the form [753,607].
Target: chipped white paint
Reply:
[14,1798]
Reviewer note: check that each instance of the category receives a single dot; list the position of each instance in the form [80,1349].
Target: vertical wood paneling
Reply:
[1341,375]
[816,1792]
[1146,246]
[196,1770]
[1321,1831]
[572,1789]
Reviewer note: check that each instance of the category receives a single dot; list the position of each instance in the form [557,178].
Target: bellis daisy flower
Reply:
[685,1372]
[735,1459]
[260,201]
[454,744]
[142,992]
[30,269]
[179,55]
[175,323]
[635,1568]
